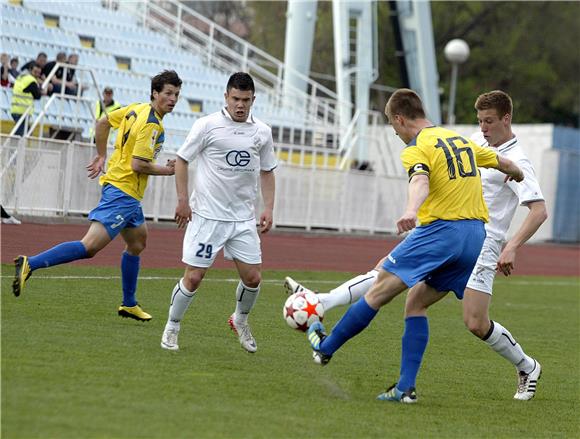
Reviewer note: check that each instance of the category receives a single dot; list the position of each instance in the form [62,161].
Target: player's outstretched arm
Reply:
[418,193]
[536,217]
[146,167]
[182,210]
[512,171]
[97,165]
[268,185]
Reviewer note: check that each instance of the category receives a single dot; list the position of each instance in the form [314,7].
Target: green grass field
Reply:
[71,368]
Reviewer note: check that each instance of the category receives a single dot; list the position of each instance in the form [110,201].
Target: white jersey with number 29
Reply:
[230,156]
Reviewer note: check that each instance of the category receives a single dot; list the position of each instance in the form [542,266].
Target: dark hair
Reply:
[165,77]
[33,65]
[41,54]
[495,100]
[406,103]
[241,81]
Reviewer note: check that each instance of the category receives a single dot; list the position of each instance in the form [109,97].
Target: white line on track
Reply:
[572,281]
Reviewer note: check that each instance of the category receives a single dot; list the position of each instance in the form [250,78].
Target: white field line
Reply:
[572,281]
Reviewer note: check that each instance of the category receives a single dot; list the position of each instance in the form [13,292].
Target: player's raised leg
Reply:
[350,291]
[476,317]
[360,314]
[136,240]
[95,239]
[247,292]
[345,294]
[181,297]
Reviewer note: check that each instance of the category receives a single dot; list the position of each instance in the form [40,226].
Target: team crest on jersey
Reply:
[257,142]
[157,143]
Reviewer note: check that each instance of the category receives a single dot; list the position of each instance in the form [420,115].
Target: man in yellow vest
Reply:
[107,105]
[26,90]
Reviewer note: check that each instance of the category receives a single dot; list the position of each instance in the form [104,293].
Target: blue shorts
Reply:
[442,254]
[117,210]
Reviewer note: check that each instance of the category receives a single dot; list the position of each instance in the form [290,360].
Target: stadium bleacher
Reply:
[123,55]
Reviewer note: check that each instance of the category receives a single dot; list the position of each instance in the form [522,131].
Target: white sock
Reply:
[246,298]
[501,341]
[349,292]
[180,300]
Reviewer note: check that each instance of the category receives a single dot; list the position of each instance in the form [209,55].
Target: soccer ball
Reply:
[302,310]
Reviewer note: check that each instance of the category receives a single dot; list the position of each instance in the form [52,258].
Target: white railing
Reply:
[69,120]
[49,179]
[226,51]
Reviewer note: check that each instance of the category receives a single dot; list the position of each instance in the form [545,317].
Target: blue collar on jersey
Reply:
[413,141]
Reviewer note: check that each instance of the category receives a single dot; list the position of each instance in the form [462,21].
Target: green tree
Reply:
[528,49]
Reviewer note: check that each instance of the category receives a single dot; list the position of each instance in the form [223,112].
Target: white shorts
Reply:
[204,238]
[483,273]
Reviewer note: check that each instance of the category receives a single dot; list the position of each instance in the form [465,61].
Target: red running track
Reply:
[281,250]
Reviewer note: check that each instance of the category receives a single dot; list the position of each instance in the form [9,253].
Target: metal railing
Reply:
[49,179]
[55,98]
[227,52]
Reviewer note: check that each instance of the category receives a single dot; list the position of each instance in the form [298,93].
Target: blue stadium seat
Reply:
[117,35]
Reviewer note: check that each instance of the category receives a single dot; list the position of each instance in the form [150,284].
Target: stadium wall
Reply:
[566,227]
[49,179]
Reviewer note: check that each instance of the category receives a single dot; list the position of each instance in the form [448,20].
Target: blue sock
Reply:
[129,274]
[357,318]
[414,343]
[59,254]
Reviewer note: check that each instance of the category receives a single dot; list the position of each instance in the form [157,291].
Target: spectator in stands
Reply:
[26,90]
[5,67]
[13,70]
[56,80]
[9,219]
[71,84]
[41,60]
[107,105]
[60,57]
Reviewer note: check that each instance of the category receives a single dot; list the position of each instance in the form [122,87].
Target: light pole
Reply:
[456,51]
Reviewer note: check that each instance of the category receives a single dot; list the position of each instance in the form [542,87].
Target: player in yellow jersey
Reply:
[139,140]
[445,197]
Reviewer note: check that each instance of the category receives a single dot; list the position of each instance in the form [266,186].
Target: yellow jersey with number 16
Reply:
[450,161]
[140,134]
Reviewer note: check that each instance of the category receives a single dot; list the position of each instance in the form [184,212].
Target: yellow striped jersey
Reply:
[450,161]
[140,134]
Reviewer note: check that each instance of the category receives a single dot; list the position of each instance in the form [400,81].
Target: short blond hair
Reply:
[405,102]
[496,100]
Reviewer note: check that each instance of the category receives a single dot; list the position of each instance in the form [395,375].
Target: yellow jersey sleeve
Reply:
[116,117]
[485,157]
[146,142]
[415,161]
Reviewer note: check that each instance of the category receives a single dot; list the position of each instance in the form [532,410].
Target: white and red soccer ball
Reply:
[302,310]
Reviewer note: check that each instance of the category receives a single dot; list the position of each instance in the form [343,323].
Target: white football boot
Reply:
[169,339]
[243,332]
[527,383]
[293,287]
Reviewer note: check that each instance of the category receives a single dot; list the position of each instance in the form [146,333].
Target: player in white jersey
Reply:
[494,112]
[232,150]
